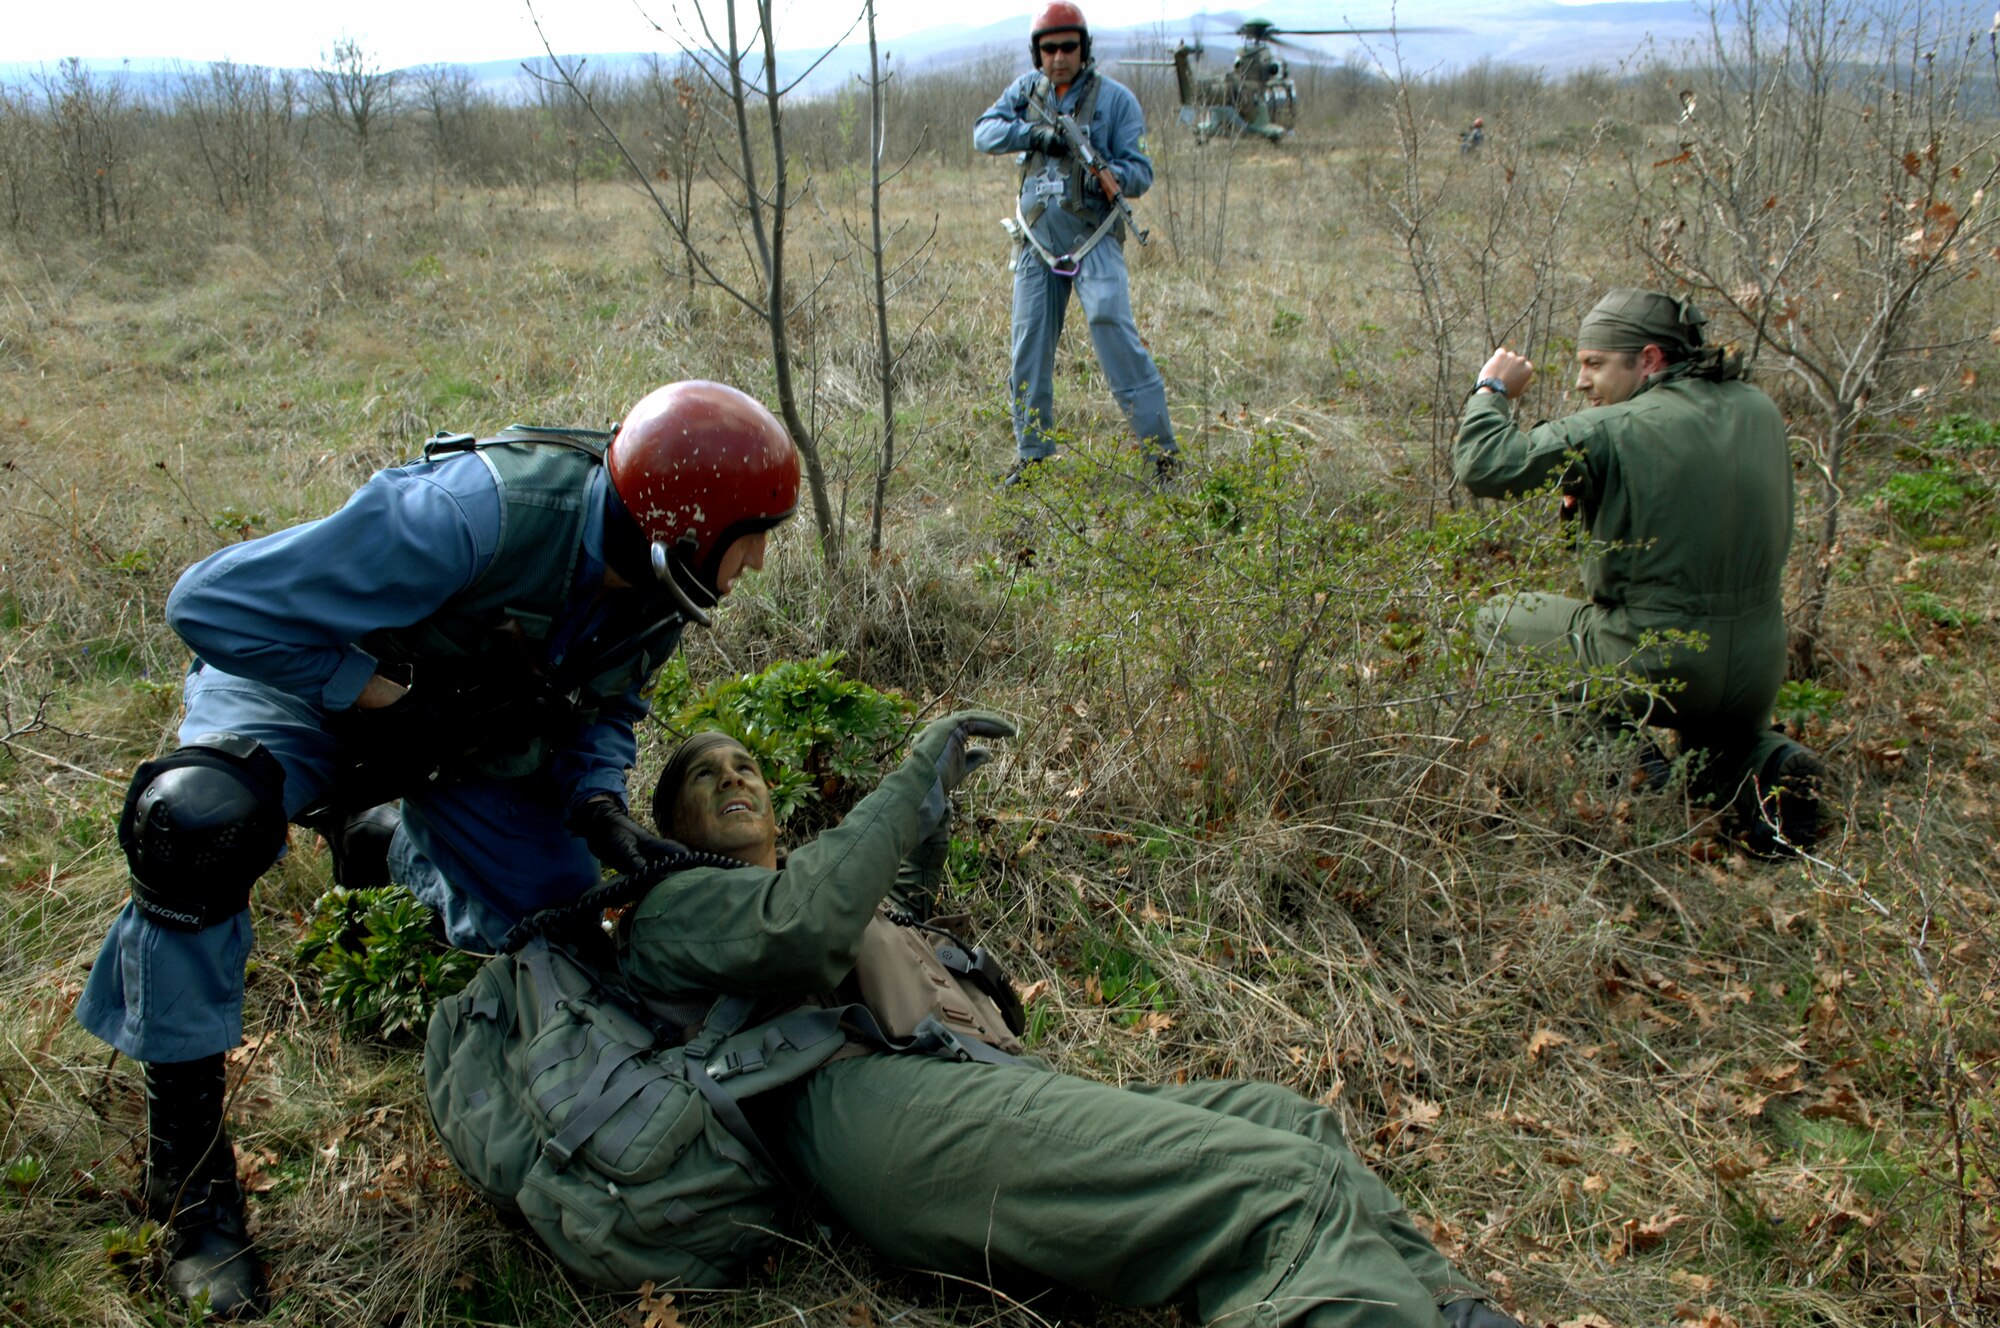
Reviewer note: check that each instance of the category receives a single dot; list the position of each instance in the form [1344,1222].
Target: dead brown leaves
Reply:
[654,1309]
[1543,1042]
[1636,1237]
[1411,1121]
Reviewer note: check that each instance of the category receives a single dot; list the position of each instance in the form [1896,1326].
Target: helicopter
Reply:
[1257,93]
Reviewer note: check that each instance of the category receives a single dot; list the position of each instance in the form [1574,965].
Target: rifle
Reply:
[1093,161]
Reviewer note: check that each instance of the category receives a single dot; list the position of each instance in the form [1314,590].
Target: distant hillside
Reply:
[1540,34]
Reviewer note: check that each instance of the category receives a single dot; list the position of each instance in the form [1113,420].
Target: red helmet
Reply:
[698,465]
[1057,16]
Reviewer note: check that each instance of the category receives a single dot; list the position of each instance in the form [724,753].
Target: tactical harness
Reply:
[475,666]
[1074,195]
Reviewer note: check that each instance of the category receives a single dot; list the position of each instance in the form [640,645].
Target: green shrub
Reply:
[1930,607]
[822,738]
[1964,432]
[1800,702]
[382,968]
[1921,501]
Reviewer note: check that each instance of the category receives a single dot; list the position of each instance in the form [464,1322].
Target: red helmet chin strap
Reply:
[663,569]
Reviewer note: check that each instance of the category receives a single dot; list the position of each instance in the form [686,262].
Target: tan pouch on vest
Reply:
[902,981]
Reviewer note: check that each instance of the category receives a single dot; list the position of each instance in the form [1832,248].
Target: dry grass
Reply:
[1625,1074]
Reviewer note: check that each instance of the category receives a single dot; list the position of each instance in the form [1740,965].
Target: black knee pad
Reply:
[200,826]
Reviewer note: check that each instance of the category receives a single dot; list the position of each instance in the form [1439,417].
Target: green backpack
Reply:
[627,1155]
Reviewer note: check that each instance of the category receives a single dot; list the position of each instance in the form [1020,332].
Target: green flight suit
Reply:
[1241,1200]
[1689,484]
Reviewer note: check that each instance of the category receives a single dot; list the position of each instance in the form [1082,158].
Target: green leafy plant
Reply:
[382,968]
[1923,500]
[22,1172]
[1801,701]
[1125,981]
[1964,432]
[1931,607]
[822,738]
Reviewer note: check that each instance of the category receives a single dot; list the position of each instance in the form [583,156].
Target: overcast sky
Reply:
[410,32]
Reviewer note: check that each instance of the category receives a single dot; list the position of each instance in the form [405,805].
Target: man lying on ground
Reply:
[1241,1201]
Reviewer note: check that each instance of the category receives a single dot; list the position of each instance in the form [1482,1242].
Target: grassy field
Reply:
[1270,814]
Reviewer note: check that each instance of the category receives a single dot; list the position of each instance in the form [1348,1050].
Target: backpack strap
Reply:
[588,907]
[729,1013]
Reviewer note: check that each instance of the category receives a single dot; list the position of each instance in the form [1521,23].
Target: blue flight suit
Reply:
[274,624]
[1117,128]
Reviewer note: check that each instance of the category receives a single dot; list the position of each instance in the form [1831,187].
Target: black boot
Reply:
[361,847]
[1792,781]
[1782,817]
[192,1191]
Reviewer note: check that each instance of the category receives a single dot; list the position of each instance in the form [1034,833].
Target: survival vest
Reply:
[497,630]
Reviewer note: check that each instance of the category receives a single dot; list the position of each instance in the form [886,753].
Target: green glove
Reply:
[945,744]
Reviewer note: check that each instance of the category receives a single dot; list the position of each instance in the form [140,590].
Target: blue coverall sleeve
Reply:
[287,610]
[1124,147]
[597,756]
[1003,127]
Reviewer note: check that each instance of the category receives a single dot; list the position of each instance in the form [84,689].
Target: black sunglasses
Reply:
[1061,47]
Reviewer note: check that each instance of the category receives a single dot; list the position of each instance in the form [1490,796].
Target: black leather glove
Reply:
[1047,141]
[615,839]
[945,743]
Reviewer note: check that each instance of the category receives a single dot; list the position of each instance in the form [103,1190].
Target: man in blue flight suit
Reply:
[1070,236]
[476,627]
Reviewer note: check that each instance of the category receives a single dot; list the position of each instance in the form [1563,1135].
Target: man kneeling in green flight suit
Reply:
[1241,1201]
[1682,476]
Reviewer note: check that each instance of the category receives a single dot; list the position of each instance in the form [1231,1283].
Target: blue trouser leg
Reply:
[1041,298]
[488,852]
[162,995]
[1105,292]
[485,852]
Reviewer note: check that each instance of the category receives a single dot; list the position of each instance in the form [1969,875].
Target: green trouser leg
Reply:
[1282,1109]
[1721,704]
[999,1173]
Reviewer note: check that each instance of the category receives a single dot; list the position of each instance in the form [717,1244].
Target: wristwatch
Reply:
[1498,387]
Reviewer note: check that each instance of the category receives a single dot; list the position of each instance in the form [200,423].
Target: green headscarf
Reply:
[1627,319]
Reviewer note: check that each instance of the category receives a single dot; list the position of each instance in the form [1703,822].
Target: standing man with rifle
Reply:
[1082,144]
[470,633]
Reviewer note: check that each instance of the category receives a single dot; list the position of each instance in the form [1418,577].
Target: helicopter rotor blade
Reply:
[1350,32]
